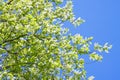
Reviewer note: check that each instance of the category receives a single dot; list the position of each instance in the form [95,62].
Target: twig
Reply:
[9,2]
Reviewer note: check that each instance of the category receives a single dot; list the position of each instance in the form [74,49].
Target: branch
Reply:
[9,2]
[19,64]
[8,51]
[14,38]
[3,20]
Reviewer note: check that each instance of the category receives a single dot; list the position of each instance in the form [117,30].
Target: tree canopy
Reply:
[34,44]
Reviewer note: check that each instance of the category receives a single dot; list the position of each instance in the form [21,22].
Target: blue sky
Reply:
[102,22]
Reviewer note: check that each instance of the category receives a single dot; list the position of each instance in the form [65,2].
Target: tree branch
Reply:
[14,38]
[19,64]
[9,2]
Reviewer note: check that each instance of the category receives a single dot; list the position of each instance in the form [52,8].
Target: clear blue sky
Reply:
[102,22]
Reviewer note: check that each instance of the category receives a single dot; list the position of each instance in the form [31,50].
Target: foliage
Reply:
[34,45]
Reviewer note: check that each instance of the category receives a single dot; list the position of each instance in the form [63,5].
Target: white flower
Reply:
[91,78]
